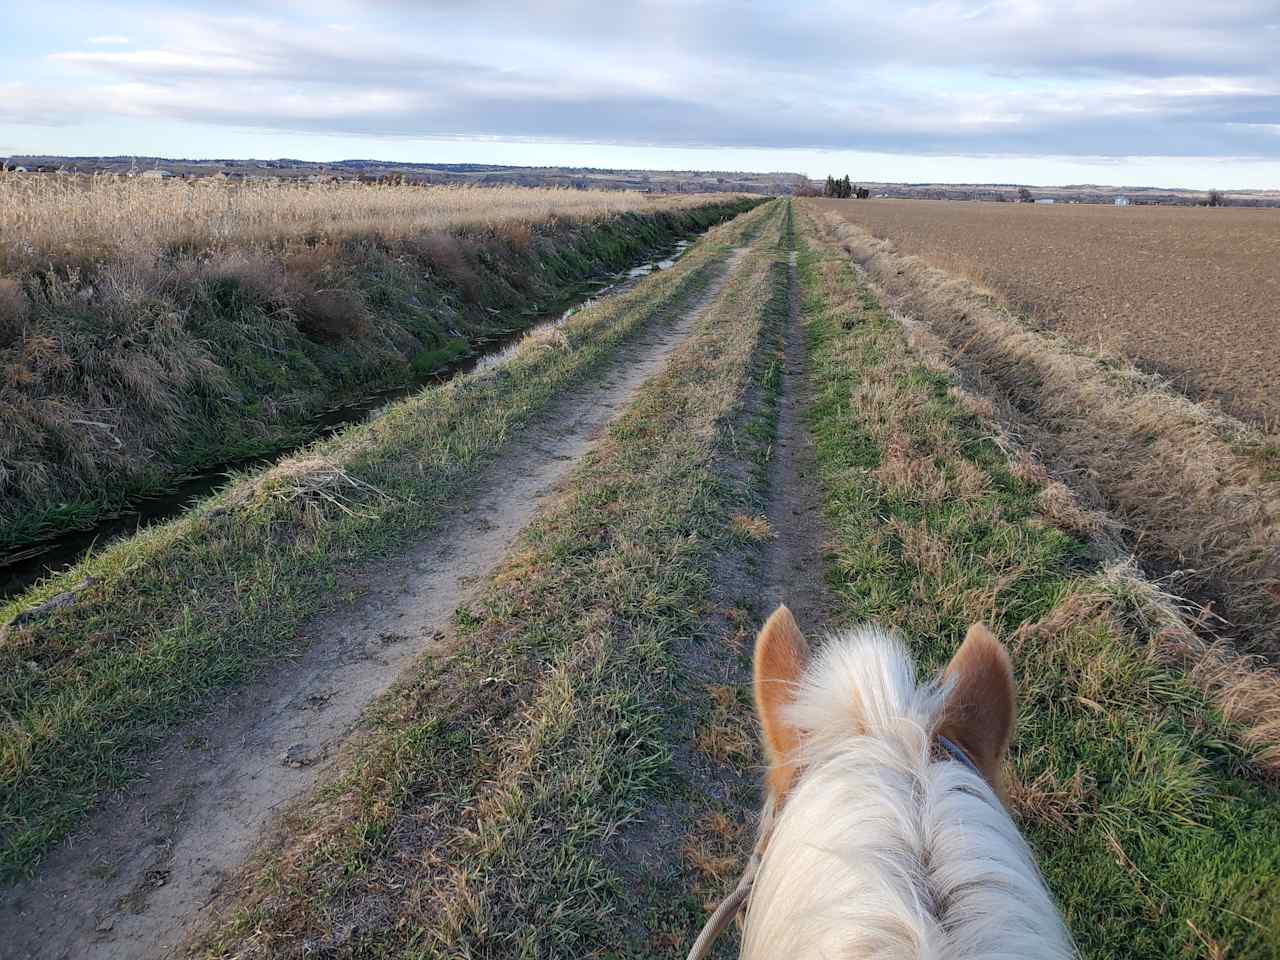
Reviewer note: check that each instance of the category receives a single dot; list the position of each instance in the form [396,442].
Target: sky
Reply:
[1147,92]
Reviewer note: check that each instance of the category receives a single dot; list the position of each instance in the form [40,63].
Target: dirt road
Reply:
[148,866]
[793,564]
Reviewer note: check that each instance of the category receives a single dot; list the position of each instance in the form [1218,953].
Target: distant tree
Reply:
[1216,199]
[1024,195]
[843,188]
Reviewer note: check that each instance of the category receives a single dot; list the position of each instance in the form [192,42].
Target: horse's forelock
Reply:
[880,849]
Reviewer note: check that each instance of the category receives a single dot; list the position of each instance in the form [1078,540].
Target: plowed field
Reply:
[1192,293]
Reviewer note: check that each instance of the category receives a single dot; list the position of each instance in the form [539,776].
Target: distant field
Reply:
[1191,293]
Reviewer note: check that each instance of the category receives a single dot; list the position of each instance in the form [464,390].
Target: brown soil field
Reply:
[1190,293]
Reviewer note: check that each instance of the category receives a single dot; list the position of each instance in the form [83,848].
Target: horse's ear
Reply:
[780,658]
[980,707]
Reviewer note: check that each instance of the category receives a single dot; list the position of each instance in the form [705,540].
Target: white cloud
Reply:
[161,63]
[943,77]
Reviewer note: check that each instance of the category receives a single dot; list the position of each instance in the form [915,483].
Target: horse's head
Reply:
[977,714]
[885,833]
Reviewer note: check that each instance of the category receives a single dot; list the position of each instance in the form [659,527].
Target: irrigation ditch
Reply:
[23,567]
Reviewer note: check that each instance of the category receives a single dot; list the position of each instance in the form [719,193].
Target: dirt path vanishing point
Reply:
[793,569]
[144,870]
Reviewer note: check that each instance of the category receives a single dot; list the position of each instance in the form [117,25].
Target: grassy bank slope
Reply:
[529,796]
[119,375]
[1197,492]
[192,606]
[1149,819]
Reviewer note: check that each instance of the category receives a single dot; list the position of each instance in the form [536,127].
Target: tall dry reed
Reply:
[76,217]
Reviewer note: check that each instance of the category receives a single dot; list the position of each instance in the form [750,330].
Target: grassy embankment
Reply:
[1195,494]
[148,330]
[574,779]
[1151,821]
[190,607]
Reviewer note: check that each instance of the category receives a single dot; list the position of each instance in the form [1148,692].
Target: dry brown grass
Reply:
[726,736]
[1062,508]
[333,314]
[1175,473]
[754,529]
[134,348]
[14,310]
[1051,801]
[444,253]
[713,849]
[919,461]
[85,218]
[1245,689]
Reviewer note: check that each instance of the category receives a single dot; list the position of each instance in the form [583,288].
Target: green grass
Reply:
[515,797]
[1149,821]
[195,606]
[427,362]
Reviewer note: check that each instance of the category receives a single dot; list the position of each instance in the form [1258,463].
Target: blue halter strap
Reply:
[956,753]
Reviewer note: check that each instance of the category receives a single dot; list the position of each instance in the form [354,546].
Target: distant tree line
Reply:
[842,189]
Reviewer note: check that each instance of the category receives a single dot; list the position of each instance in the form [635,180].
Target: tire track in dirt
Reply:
[148,865]
[716,834]
[793,570]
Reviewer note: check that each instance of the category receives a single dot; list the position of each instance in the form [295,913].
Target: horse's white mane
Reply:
[880,849]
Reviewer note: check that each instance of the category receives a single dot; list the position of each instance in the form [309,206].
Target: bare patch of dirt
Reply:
[793,571]
[1190,293]
[150,866]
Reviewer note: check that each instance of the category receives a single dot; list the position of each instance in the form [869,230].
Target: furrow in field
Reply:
[1185,292]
